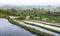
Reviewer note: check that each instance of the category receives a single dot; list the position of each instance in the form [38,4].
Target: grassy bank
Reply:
[44,28]
[2,15]
[34,31]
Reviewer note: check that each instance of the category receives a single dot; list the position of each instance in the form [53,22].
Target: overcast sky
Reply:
[30,2]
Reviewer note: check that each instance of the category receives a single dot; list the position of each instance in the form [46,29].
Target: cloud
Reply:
[30,2]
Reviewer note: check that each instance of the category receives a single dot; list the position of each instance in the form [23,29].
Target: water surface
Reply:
[8,29]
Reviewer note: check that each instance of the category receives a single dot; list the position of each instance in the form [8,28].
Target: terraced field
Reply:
[56,33]
[47,29]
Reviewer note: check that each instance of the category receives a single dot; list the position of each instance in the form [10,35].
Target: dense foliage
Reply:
[36,14]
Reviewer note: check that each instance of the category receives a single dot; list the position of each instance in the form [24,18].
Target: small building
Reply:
[27,17]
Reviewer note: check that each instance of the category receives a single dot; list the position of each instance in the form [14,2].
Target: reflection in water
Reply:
[8,29]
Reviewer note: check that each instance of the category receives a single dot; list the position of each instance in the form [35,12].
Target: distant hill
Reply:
[27,7]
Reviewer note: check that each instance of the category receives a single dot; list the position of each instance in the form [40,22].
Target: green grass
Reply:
[18,19]
[2,15]
[44,28]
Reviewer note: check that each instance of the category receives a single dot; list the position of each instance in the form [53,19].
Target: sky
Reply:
[30,2]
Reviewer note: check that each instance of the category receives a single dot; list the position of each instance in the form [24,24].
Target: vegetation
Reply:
[34,13]
[2,15]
